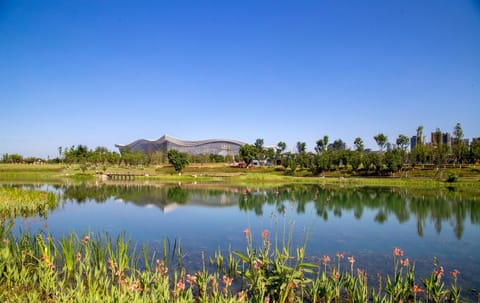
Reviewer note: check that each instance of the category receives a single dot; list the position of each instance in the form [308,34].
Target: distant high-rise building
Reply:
[413,142]
[439,138]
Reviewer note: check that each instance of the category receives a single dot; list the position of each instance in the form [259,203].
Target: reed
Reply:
[98,268]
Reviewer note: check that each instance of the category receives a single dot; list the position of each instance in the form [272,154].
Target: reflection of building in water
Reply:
[194,199]
[222,147]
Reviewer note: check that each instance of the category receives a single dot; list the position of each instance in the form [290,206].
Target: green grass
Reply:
[429,177]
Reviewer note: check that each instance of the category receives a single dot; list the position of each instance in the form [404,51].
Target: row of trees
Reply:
[331,156]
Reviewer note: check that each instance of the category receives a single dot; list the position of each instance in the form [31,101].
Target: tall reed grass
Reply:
[98,268]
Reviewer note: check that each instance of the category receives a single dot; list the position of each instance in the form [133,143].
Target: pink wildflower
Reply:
[227,281]
[325,260]
[257,264]
[265,234]
[191,279]
[417,289]
[351,260]
[397,252]
[405,262]
[180,285]
[246,232]
[455,273]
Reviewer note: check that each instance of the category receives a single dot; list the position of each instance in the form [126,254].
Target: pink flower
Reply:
[351,260]
[325,260]
[257,264]
[405,262]
[340,255]
[227,281]
[79,256]
[336,275]
[246,232]
[265,234]
[191,279]
[180,285]
[455,273]
[417,289]
[397,252]
[85,239]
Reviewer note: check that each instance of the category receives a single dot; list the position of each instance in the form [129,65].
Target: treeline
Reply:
[336,156]
[81,154]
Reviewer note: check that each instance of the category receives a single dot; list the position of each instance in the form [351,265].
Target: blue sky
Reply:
[106,72]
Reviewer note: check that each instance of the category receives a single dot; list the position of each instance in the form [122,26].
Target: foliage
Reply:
[452,178]
[178,159]
[248,153]
[93,268]
[381,140]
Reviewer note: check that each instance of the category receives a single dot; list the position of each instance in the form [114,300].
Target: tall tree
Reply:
[260,155]
[178,159]
[248,153]
[460,149]
[281,146]
[458,133]
[338,145]
[259,144]
[321,145]
[301,147]
[381,140]
[403,141]
[359,144]
[420,135]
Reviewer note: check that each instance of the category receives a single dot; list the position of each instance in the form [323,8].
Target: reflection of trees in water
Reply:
[141,195]
[438,206]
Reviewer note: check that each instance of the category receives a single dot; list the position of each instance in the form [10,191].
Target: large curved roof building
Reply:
[212,146]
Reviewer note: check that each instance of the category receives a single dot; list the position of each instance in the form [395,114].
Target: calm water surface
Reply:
[366,223]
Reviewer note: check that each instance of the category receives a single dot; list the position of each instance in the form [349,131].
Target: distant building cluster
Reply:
[222,147]
[438,138]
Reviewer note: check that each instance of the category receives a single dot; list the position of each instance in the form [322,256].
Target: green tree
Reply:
[321,145]
[381,140]
[459,149]
[301,147]
[359,146]
[474,156]
[403,142]
[178,159]
[394,159]
[420,135]
[260,154]
[248,153]
[338,145]
[259,144]
[281,146]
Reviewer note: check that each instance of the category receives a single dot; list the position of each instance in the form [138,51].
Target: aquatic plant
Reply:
[98,268]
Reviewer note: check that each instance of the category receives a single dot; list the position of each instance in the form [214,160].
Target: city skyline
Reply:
[106,73]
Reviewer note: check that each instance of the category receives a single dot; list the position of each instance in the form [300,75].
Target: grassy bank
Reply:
[467,177]
[37,268]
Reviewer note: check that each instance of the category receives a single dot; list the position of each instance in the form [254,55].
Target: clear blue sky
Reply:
[106,72]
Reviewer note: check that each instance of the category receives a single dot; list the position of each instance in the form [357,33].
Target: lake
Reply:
[366,223]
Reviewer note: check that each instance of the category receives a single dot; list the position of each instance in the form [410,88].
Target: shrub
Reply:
[452,178]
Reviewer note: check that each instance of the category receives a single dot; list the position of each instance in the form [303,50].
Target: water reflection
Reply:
[444,208]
